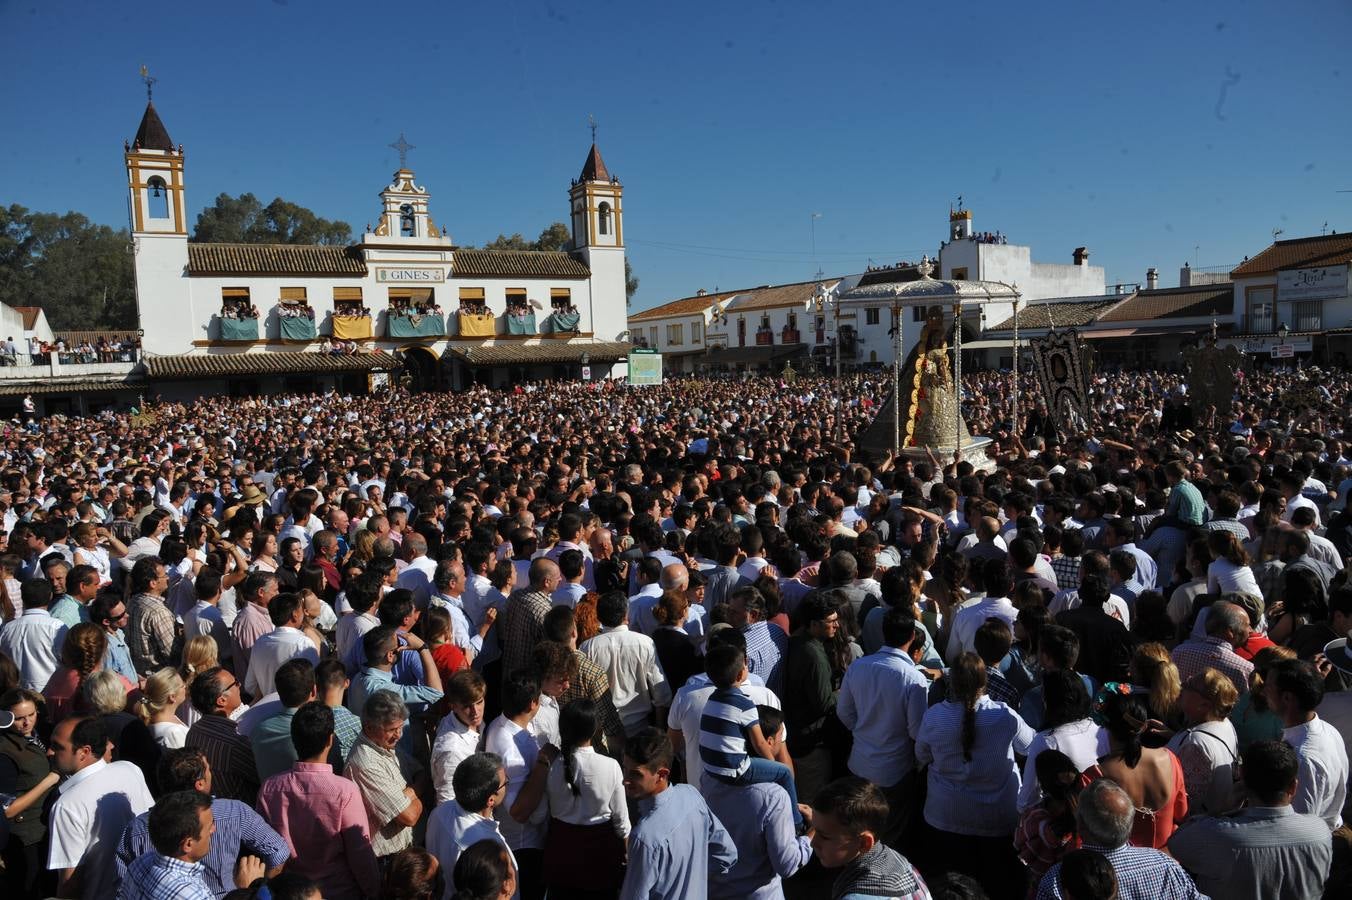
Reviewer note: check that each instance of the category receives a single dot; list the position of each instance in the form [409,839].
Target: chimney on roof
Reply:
[701,292]
[1152,278]
[1081,256]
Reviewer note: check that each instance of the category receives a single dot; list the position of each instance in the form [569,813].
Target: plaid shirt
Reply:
[999,689]
[234,774]
[1067,569]
[156,877]
[1142,874]
[523,626]
[150,633]
[1194,656]
[766,644]
[346,730]
[593,684]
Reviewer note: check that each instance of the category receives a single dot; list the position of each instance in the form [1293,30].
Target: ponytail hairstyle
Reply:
[482,872]
[966,684]
[1124,714]
[1059,779]
[578,722]
[199,654]
[158,693]
[84,648]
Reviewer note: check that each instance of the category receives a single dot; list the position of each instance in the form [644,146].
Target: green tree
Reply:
[245,220]
[630,282]
[79,273]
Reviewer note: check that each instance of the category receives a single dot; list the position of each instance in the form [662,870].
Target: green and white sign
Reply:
[645,367]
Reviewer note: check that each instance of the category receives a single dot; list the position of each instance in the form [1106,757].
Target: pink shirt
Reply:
[250,625]
[323,820]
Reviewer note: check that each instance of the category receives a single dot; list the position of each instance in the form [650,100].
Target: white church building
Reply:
[403,301]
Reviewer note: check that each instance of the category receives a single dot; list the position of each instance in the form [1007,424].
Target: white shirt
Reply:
[1082,741]
[455,742]
[1209,754]
[92,809]
[641,606]
[98,558]
[272,650]
[33,641]
[1296,503]
[1321,780]
[687,707]
[636,680]
[205,618]
[600,796]
[451,830]
[970,618]
[347,636]
[417,577]
[479,594]
[518,749]
[568,594]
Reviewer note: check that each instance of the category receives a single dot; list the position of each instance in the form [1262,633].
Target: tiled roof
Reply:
[1071,313]
[516,264]
[1174,303]
[217,365]
[594,169]
[889,275]
[30,316]
[780,295]
[1299,253]
[79,337]
[506,354]
[68,386]
[152,135]
[273,259]
[686,306]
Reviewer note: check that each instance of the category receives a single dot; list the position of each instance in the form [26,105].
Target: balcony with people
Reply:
[520,314]
[296,320]
[563,317]
[351,321]
[765,335]
[414,316]
[69,354]
[238,318]
[474,319]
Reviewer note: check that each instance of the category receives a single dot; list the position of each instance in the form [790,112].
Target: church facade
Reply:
[401,302]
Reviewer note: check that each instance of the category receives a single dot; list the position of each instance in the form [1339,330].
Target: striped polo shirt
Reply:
[722,732]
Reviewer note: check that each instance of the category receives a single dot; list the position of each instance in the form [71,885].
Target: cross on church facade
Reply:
[403,147]
[591,122]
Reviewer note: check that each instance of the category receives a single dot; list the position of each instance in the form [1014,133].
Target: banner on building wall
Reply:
[645,367]
[1060,369]
[1321,283]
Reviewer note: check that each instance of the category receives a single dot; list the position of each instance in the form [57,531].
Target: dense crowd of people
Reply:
[578,640]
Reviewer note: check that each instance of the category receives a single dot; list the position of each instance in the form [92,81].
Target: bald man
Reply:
[523,623]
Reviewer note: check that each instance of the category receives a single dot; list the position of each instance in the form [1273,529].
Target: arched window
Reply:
[158,196]
[603,218]
[406,225]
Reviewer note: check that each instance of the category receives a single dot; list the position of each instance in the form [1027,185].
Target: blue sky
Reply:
[1150,132]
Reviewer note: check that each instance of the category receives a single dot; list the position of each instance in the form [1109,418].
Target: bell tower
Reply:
[404,213]
[596,202]
[155,179]
[157,210]
[598,215]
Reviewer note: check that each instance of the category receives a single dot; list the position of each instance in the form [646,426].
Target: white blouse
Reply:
[600,796]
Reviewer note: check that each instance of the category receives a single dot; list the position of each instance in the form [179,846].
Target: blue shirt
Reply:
[759,820]
[1142,874]
[672,845]
[155,877]
[368,681]
[882,701]
[977,796]
[272,747]
[238,830]
[69,611]
[118,657]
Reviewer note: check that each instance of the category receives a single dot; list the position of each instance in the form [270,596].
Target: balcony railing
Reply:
[765,338]
[1307,315]
[790,336]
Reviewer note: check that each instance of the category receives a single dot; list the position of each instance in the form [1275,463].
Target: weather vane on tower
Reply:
[591,122]
[150,82]
[403,147]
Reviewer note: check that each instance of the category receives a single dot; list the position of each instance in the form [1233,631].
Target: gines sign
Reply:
[409,276]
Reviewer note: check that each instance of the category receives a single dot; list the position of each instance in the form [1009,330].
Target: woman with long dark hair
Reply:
[969,743]
[1047,830]
[584,850]
[1066,728]
[27,776]
[484,872]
